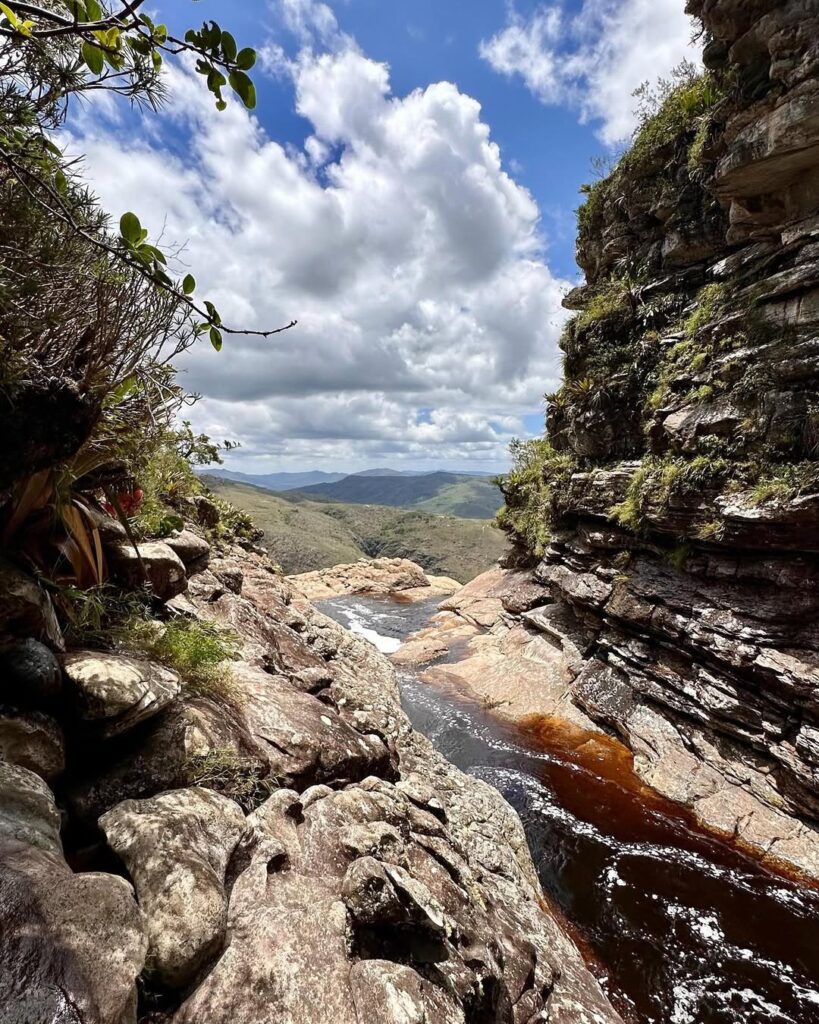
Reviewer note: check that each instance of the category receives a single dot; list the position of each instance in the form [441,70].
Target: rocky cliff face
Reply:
[268,842]
[679,485]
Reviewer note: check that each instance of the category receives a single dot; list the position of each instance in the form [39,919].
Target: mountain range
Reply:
[302,535]
[439,493]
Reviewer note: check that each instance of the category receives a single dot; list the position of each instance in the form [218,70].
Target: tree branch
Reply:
[24,175]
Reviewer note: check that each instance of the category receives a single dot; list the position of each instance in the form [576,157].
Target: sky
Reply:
[406,189]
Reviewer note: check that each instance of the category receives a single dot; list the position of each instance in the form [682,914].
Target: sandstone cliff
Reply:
[674,508]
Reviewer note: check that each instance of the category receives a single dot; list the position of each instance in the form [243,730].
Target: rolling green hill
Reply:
[302,535]
[454,494]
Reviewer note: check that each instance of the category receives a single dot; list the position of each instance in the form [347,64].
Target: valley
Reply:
[302,534]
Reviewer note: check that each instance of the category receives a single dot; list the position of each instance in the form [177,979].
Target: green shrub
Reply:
[530,491]
[199,651]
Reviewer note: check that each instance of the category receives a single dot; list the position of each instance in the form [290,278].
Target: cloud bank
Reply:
[427,316]
[595,60]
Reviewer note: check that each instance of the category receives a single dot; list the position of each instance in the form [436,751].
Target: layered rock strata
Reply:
[680,481]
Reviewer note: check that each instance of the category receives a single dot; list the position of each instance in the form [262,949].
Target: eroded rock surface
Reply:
[372,576]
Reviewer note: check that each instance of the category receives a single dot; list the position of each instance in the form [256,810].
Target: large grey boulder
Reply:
[73,945]
[152,564]
[30,675]
[114,692]
[34,741]
[176,847]
[192,549]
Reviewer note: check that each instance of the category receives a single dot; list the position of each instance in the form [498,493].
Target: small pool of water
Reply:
[679,927]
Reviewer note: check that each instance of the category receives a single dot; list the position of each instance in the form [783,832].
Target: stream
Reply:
[678,927]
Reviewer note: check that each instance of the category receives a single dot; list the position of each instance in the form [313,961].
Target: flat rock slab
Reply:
[369,576]
[191,548]
[115,692]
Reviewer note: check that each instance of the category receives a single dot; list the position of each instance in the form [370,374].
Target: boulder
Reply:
[114,692]
[207,512]
[30,675]
[368,576]
[34,741]
[73,945]
[28,813]
[176,847]
[25,608]
[153,564]
[192,549]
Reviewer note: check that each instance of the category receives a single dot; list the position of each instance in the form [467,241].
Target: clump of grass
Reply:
[710,301]
[784,483]
[199,651]
[226,771]
[610,302]
[530,488]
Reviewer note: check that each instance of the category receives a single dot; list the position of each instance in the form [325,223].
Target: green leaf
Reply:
[130,228]
[246,59]
[13,20]
[189,284]
[228,47]
[160,34]
[93,11]
[93,57]
[216,338]
[244,88]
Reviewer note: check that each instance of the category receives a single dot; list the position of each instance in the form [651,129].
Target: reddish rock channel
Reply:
[680,927]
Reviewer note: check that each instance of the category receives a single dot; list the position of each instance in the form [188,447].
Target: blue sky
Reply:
[406,188]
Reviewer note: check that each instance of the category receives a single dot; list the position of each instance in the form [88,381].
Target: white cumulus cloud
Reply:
[428,317]
[595,59]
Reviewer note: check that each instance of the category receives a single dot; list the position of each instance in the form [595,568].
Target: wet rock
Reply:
[176,847]
[114,692]
[30,675]
[33,741]
[25,608]
[153,564]
[192,549]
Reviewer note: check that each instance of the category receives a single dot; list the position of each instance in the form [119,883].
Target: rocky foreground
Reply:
[281,848]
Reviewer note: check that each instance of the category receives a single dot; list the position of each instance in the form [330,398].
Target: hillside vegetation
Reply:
[453,494]
[302,535]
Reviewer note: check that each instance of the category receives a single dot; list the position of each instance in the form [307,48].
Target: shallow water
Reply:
[680,928]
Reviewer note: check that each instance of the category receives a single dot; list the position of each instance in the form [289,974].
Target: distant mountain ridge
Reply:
[302,535]
[278,481]
[464,495]
[455,494]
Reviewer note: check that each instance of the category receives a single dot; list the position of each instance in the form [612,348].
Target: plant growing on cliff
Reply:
[529,491]
[199,651]
[227,771]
